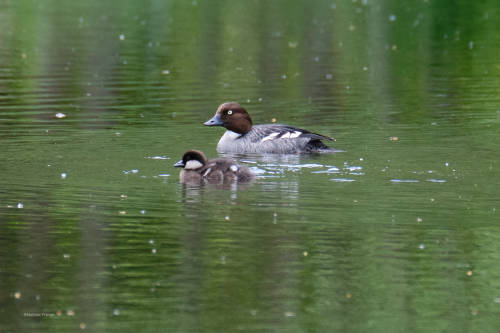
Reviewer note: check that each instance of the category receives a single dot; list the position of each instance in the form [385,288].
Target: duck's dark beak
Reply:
[215,121]
[179,164]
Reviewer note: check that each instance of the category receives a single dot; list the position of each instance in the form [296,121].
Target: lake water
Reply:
[396,232]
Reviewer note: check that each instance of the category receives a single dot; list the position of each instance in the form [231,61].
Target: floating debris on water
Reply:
[122,37]
[153,251]
[63,175]
[17,295]
[164,175]
[469,273]
[421,246]
[116,312]
[20,205]
[289,314]
[60,115]
[394,138]
[165,72]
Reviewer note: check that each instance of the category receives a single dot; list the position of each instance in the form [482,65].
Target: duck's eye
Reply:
[230,112]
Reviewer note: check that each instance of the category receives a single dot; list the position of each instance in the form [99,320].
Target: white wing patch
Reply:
[289,135]
[207,172]
[270,136]
[234,168]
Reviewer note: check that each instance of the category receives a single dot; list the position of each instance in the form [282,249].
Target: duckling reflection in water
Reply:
[198,169]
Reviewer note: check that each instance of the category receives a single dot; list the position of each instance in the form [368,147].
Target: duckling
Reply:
[197,168]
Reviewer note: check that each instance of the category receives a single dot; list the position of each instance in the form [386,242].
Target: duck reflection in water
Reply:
[197,169]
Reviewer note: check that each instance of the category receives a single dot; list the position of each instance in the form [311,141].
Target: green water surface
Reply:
[396,232]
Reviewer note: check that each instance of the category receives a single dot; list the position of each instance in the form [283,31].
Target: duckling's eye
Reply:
[230,112]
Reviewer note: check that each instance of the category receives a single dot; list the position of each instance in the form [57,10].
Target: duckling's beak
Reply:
[215,121]
[179,164]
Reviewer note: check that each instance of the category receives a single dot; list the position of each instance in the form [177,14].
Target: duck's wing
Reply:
[262,133]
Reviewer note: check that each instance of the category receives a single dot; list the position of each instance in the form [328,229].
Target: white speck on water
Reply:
[433,123]
[223,260]
[283,76]
[353,168]
[392,18]
[20,205]
[118,133]
[348,87]
[151,241]
[446,164]
[122,37]
[124,62]
[497,300]
[365,68]
[421,246]
[143,212]
[275,218]
[153,251]
[289,314]
[248,100]
[150,44]
[60,115]
[361,159]
[134,171]
[332,169]
[260,99]
[436,180]
[227,218]
[80,19]
[116,312]
[66,256]
[164,175]
[63,175]
[404,181]
[328,76]
[471,45]
[165,72]
[343,180]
